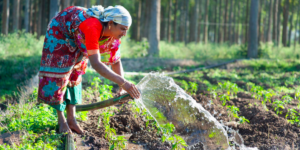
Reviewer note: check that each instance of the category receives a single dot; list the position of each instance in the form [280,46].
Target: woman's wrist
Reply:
[123,83]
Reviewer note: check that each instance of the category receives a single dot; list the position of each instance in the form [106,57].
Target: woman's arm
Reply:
[118,68]
[111,75]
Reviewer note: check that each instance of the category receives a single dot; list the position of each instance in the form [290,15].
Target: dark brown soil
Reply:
[125,123]
[266,129]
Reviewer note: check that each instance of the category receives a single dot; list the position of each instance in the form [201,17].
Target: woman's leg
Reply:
[71,120]
[63,126]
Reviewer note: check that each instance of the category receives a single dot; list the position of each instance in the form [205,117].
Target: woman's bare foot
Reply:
[73,125]
[63,127]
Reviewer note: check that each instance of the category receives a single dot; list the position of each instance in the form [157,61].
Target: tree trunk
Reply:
[186,22]
[259,20]
[45,16]
[252,46]
[296,28]
[175,22]
[65,4]
[26,16]
[246,22]
[16,16]
[88,3]
[200,21]
[39,22]
[35,17]
[182,21]
[169,21]
[216,20]
[54,5]
[269,37]
[278,23]
[138,28]
[225,20]
[192,20]
[31,11]
[205,36]
[285,22]
[221,35]
[291,26]
[154,29]
[162,23]
[275,11]
[5,17]
[230,22]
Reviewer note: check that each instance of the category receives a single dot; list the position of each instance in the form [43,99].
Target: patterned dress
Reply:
[64,57]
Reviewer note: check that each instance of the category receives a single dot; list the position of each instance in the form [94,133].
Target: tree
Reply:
[65,3]
[54,6]
[169,21]
[205,36]
[26,18]
[5,17]
[175,22]
[285,22]
[16,15]
[275,11]
[186,23]
[154,29]
[269,34]
[253,21]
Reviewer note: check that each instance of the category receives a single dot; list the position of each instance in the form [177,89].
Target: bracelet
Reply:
[123,83]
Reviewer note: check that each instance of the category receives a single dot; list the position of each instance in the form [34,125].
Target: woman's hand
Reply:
[131,89]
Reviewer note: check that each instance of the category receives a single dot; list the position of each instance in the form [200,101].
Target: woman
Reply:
[73,37]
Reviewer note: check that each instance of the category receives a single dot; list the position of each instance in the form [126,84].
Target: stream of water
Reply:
[167,102]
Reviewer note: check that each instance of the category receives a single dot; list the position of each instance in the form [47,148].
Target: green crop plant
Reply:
[224,98]
[266,97]
[257,91]
[249,86]
[234,110]
[118,143]
[193,87]
[177,142]
[243,120]
[213,92]
[184,85]
[230,88]
[277,104]
[291,113]
[106,119]
[167,130]
[287,99]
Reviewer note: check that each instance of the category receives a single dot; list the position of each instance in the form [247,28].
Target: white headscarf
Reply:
[117,14]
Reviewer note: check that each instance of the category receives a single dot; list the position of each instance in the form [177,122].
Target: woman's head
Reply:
[117,18]
[116,30]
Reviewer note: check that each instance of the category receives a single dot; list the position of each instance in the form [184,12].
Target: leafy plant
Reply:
[243,119]
[234,110]
[277,104]
[224,98]
[167,130]
[193,88]
[287,99]
[177,142]
[118,143]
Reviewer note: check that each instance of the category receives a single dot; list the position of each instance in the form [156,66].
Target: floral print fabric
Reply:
[64,58]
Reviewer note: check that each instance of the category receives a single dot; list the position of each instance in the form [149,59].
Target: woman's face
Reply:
[118,31]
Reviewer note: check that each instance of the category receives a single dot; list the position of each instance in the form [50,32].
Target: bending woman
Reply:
[73,37]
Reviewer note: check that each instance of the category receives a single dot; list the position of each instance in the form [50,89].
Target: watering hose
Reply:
[103,104]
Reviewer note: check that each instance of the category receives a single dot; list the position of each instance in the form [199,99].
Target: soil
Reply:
[125,123]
